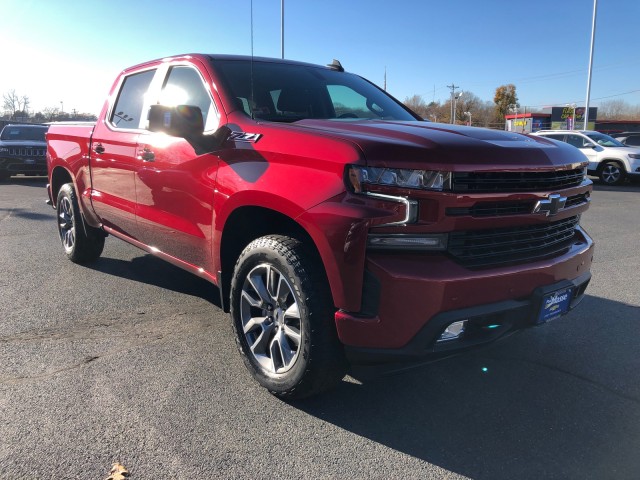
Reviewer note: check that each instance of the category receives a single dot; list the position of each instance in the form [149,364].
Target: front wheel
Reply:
[81,243]
[611,173]
[283,317]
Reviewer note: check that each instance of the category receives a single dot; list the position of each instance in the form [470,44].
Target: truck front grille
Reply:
[516,181]
[486,248]
[500,209]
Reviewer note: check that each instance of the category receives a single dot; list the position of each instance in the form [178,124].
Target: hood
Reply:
[447,147]
[619,150]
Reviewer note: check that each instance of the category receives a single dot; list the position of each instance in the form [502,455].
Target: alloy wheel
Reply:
[611,173]
[66,224]
[270,319]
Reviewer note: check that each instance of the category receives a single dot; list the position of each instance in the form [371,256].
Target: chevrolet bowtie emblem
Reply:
[550,207]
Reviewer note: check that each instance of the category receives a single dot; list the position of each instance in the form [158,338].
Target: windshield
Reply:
[604,140]
[11,132]
[289,92]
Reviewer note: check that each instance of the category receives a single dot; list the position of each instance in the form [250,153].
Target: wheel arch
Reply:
[244,225]
[617,161]
[59,176]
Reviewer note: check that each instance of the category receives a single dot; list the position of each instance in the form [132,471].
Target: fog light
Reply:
[453,331]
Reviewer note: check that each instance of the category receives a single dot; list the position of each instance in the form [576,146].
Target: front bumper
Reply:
[25,166]
[420,296]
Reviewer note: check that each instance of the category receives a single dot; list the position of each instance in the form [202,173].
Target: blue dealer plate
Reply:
[555,304]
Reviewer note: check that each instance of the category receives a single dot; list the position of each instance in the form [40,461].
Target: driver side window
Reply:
[184,86]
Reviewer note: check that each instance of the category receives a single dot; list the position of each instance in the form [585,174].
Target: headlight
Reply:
[3,149]
[360,176]
[634,155]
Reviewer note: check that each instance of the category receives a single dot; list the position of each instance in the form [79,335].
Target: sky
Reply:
[66,54]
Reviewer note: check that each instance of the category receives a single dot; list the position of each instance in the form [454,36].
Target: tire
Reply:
[4,176]
[283,318]
[611,173]
[81,243]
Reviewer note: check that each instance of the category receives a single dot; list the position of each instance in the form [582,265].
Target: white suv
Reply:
[608,158]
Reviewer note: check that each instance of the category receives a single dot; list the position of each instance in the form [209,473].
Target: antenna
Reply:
[252,94]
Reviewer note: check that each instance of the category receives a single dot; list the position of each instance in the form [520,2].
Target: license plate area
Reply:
[555,304]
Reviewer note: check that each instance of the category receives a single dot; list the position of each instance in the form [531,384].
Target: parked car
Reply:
[609,159]
[630,139]
[23,150]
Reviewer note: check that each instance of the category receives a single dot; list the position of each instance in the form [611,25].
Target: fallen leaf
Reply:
[118,472]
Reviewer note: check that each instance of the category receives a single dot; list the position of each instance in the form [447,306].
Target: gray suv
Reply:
[23,150]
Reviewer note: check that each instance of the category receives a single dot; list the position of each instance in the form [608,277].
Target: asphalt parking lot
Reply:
[131,361]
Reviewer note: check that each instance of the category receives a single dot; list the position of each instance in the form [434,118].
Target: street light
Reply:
[468,114]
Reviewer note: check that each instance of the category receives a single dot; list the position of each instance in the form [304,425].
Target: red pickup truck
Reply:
[337,225]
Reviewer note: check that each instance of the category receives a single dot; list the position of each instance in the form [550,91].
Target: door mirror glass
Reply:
[180,121]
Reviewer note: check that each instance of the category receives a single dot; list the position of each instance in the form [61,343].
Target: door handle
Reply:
[146,155]
[98,148]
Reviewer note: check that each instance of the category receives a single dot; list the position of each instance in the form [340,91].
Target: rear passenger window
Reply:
[184,86]
[633,141]
[127,112]
[556,137]
[575,140]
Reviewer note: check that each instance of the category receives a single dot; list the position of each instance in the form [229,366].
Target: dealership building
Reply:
[560,118]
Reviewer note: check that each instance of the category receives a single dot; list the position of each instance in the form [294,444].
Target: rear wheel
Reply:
[81,243]
[283,318]
[611,173]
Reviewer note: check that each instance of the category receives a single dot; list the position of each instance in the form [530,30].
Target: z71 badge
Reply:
[245,137]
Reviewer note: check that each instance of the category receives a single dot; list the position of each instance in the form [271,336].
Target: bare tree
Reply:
[417,104]
[14,103]
[614,110]
[51,113]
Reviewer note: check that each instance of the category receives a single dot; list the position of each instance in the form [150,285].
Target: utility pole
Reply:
[282,28]
[593,39]
[453,88]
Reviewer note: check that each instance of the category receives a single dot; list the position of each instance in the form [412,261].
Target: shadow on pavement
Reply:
[543,404]
[154,271]
[26,214]
[24,181]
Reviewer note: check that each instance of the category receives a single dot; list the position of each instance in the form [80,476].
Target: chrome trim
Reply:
[411,207]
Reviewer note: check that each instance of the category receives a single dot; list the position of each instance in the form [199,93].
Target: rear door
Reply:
[114,154]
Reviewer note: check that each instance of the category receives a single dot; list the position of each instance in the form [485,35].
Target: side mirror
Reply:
[179,121]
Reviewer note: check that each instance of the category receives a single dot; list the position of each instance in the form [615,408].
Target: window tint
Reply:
[633,140]
[604,140]
[184,86]
[127,111]
[556,137]
[283,92]
[24,133]
[350,104]
[575,140]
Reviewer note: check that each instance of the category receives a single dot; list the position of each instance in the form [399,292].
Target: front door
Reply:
[175,180]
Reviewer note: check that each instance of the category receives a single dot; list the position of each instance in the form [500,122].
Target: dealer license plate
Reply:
[555,304]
